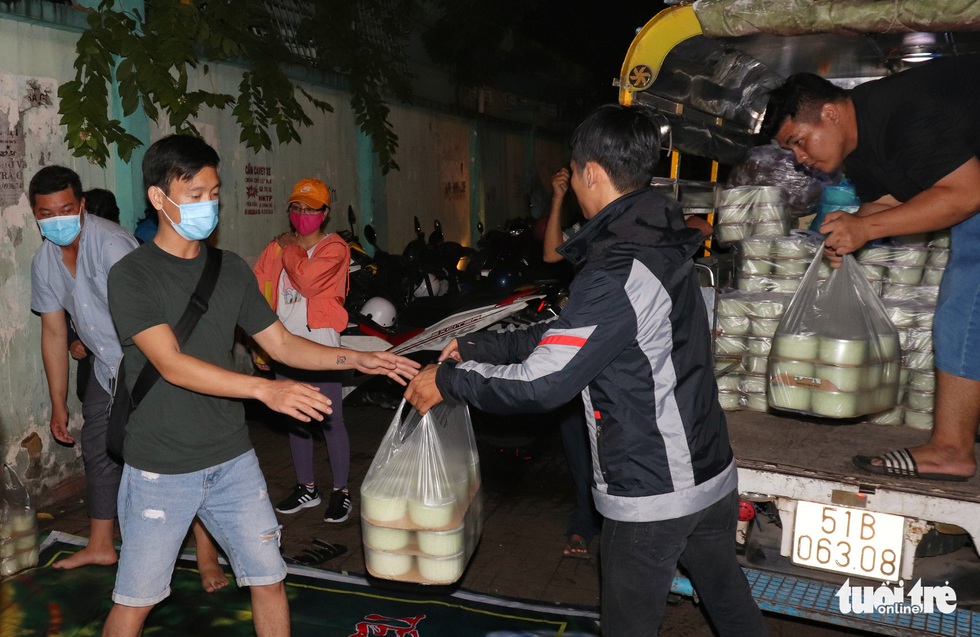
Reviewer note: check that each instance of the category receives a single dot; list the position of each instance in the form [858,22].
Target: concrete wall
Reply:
[442,157]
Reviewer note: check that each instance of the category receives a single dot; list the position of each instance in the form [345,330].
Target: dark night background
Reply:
[593,33]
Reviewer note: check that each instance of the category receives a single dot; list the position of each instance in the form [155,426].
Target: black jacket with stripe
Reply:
[634,339]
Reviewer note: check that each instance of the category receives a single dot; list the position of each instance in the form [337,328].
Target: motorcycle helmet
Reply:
[439,287]
[380,310]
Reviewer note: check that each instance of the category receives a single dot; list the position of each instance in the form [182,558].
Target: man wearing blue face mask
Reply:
[69,273]
[187,451]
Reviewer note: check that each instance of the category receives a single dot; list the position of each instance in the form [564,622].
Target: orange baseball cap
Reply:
[312,192]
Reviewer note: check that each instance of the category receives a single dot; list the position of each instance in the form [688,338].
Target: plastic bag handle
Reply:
[409,420]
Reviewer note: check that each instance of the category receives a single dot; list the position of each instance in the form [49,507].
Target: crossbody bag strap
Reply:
[196,307]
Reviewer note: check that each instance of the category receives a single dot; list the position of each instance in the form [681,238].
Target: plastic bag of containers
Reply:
[835,353]
[18,526]
[421,509]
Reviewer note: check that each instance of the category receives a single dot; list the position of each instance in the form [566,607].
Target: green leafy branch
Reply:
[151,59]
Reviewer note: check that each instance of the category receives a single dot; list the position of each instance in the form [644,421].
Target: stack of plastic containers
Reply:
[776,264]
[421,509]
[911,308]
[897,271]
[744,325]
[749,211]
[917,379]
[18,526]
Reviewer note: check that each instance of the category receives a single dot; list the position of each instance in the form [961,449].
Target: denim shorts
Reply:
[956,330]
[156,511]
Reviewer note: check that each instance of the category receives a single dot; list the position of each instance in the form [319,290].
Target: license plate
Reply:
[850,541]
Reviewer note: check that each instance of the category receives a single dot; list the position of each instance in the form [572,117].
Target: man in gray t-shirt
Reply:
[186,450]
[69,272]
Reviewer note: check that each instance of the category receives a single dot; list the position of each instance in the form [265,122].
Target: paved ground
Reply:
[526,502]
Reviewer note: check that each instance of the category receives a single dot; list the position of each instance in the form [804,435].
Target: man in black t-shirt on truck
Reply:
[187,451]
[910,143]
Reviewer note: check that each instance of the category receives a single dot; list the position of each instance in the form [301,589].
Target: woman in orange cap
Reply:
[304,274]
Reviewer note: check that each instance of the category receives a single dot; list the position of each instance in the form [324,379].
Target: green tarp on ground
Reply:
[45,601]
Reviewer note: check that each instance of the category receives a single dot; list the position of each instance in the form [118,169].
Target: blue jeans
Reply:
[956,331]
[639,560]
[156,511]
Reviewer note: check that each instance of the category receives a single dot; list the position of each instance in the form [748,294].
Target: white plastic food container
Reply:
[441,543]
[839,351]
[384,564]
[796,346]
[440,570]
[833,404]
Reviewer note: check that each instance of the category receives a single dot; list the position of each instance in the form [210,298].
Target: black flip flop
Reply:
[320,552]
[900,464]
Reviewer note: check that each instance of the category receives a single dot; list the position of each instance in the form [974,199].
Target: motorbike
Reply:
[424,344]
[426,319]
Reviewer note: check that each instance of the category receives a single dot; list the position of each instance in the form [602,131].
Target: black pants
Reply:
[102,473]
[584,520]
[639,561]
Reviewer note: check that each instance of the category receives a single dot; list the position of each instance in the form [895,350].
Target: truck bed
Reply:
[823,450]
[800,459]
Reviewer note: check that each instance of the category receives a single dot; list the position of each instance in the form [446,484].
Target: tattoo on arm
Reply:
[341,359]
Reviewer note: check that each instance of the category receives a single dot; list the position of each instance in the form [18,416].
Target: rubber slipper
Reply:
[577,549]
[900,464]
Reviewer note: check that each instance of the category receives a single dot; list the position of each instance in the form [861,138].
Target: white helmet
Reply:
[439,287]
[380,310]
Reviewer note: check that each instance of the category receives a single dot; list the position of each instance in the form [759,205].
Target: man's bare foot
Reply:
[213,578]
[87,556]
[928,461]
[933,459]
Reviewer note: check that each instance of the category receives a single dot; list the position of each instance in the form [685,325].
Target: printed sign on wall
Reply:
[258,189]
[19,95]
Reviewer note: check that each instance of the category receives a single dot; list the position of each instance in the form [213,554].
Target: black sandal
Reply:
[319,553]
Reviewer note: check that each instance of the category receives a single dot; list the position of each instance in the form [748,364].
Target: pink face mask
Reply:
[306,224]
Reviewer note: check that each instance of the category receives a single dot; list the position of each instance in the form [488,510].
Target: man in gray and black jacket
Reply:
[634,340]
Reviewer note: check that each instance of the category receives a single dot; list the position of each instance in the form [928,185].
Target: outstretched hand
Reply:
[301,401]
[397,368]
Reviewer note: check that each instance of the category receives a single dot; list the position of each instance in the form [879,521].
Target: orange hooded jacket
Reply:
[322,279]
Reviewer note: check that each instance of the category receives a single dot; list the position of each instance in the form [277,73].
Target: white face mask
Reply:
[197,220]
